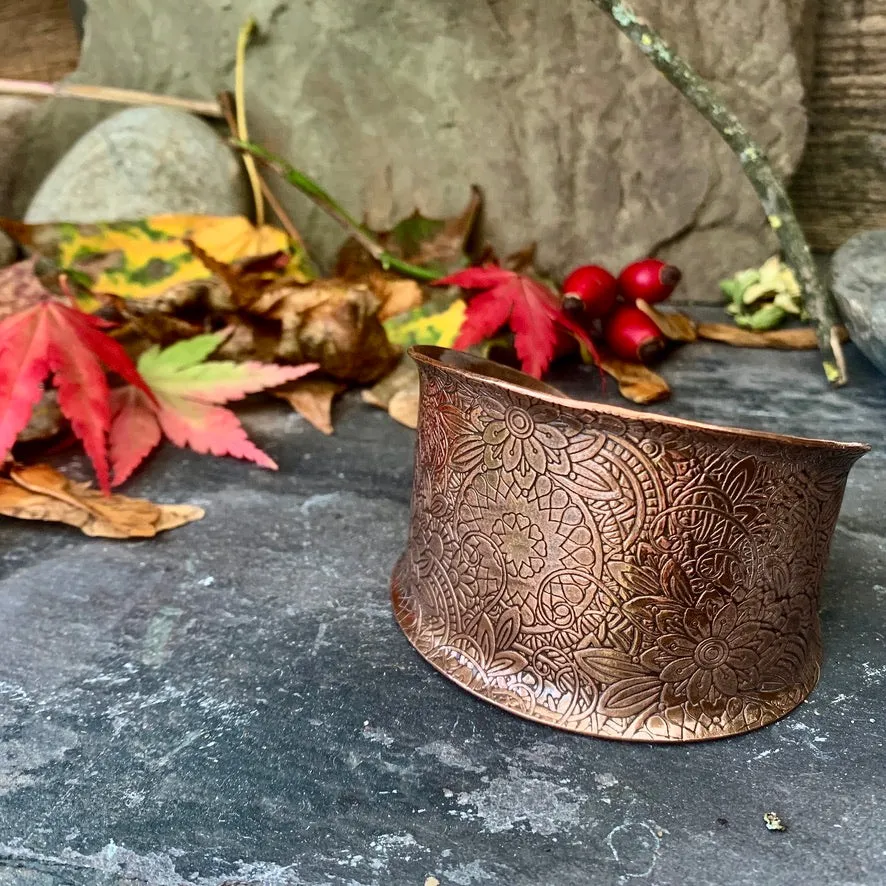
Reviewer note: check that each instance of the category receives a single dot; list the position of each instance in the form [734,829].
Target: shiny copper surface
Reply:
[611,572]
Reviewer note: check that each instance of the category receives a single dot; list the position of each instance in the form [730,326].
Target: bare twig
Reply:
[333,209]
[757,167]
[107,94]
[226,103]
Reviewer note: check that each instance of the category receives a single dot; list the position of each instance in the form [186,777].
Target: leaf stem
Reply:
[334,210]
[242,131]
[758,169]
[226,102]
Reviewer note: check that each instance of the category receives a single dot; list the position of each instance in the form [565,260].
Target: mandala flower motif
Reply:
[522,544]
[525,441]
[709,656]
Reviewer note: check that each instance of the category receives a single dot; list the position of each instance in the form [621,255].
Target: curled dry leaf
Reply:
[312,399]
[397,393]
[39,492]
[396,295]
[673,325]
[20,287]
[781,339]
[523,260]
[636,382]
[333,323]
[243,281]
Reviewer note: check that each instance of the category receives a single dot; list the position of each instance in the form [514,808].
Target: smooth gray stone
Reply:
[141,162]
[858,281]
[232,702]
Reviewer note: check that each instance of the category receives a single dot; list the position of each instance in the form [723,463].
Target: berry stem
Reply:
[759,170]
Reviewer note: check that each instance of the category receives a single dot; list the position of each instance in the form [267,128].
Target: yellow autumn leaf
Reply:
[231,238]
[145,257]
[419,327]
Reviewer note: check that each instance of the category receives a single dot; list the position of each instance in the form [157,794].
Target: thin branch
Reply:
[757,167]
[335,210]
[242,131]
[107,94]
[226,102]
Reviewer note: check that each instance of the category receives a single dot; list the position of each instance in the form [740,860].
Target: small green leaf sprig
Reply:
[762,298]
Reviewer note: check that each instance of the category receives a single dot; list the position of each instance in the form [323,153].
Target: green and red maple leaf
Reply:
[528,307]
[184,403]
[171,392]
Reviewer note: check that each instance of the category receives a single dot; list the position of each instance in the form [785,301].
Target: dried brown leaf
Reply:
[673,325]
[173,516]
[20,287]
[333,323]
[39,492]
[397,393]
[312,398]
[521,260]
[782,339]
[396,295]
[244,287]
[636,382]
[404,407]
[182,311]
[46,420]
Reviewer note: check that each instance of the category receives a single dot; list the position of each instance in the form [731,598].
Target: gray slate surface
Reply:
[232,703]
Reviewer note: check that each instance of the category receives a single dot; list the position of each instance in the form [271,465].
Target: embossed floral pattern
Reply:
[526,444]
[522,543]
[709,656]
[614,576]
[524,439]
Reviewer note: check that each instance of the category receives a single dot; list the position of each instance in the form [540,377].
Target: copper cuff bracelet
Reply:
[611,572]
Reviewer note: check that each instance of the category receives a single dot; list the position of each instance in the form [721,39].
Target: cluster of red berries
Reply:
[591,294]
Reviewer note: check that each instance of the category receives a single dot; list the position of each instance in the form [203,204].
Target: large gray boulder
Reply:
[858,281]
[577,142]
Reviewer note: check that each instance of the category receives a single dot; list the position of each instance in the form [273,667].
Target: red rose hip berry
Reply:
[650,280]
[590,290]
[631,335]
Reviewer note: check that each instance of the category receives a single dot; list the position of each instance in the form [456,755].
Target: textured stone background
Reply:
[575,139]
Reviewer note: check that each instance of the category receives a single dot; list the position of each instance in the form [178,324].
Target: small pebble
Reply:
[773,822]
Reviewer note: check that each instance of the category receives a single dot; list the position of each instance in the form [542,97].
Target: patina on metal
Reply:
[610,572]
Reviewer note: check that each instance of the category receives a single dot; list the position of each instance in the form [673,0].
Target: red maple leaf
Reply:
[188,392]
[52,338]
[530,309]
